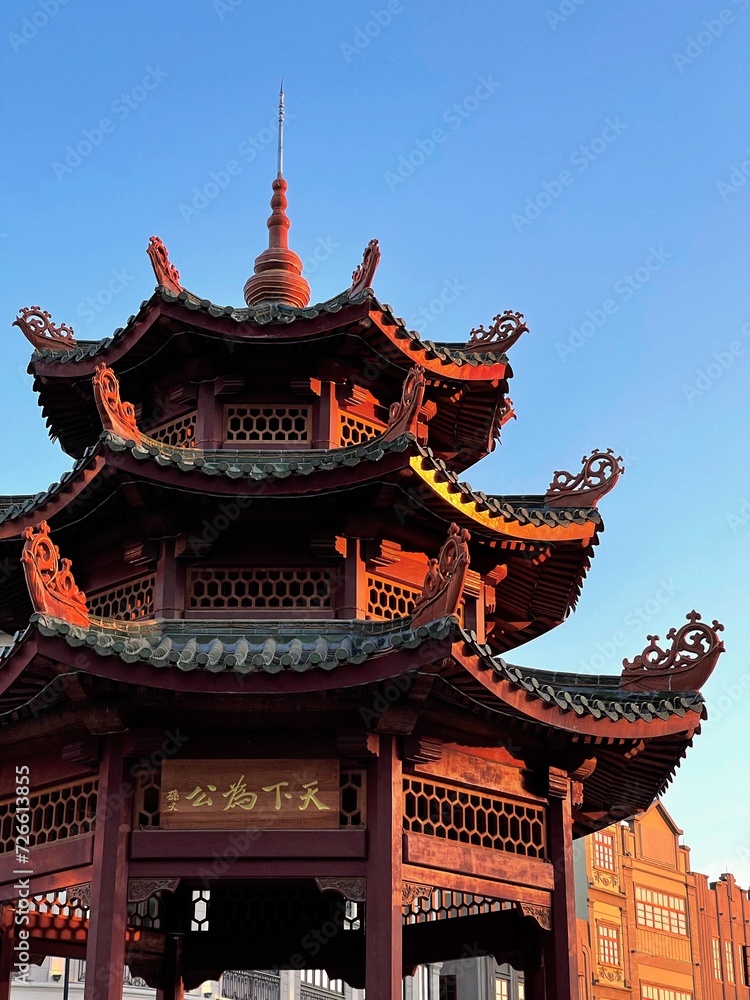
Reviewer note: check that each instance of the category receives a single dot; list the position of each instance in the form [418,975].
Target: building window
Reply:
[608,942]
[729,963]
[604,850]
[745,964]
[716,952]
[649,992]
[521,990]
[319,978]
[502,988]
[660,911]
[448,988]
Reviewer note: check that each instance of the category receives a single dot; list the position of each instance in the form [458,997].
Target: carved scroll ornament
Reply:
[403,416]
[364,273]
[141,889]
[444,583]
[542,914]
[599,474]
[414,890]
[685,666]
[506,329]
[79,895]
[354,889]
[51,585]
[166,273]
[116,416]
[37,326]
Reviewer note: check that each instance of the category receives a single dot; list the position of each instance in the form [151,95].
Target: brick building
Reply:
[649,927]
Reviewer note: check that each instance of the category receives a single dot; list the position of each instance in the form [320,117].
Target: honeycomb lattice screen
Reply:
[180,432]
[58,813]
[259,589]
[463,816]
[356,430]
[261,424]
[128,602]
[389,600]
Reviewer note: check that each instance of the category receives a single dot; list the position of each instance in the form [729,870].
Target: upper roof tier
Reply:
[352,345]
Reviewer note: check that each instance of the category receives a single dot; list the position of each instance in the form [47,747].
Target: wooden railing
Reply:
[250,986]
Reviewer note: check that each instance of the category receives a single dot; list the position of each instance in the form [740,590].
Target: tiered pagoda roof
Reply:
[239,456]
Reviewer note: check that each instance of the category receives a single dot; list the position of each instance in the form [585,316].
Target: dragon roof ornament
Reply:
[167,275]
[37,327]
[685,666]
[116,416]
[403,416]
[600,472]
[506,329]
[365,271]
[52,589]
[444,583]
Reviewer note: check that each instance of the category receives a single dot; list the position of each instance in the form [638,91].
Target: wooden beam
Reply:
[188,845]
[477,885]
[7,956]
[55,866]
[105,948]
[483,862]
[384,945]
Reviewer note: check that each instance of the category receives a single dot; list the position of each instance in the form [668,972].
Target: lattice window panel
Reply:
[201,901]
[128,602]
[388,600]
[145,915]
[147,799]
[259,589]
[353,797]
[478,818]
[357,430]
[56,904]
[180,432]
[258,424]
[55,814]
[443,904]
[232,907]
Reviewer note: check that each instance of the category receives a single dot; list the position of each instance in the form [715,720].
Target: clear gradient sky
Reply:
[583,161]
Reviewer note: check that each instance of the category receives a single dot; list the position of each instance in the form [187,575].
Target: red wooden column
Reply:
[172,986]
[561,960]
[105,947]
[7,956]
[384,892]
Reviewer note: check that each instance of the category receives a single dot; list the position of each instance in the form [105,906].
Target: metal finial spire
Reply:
[281,131]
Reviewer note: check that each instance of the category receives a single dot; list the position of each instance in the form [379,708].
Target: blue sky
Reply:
[585,163]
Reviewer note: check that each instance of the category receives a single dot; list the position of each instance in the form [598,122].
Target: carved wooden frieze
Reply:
[353,889]
[542,914]
[79,895]
[403,416]
[506,329]
[444,583]
[52,589]
[364,273]
[415,890]
[141,889]
[685,666]
[37,327]
[600,472]
[166,273]
[116,416]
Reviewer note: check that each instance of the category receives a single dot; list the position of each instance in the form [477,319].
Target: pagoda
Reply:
[256,711]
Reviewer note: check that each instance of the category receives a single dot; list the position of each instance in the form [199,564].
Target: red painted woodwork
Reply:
[364,273]
[384,875]
[431,852]
[685,666]
[52,589]
[444,583]
[116,415]
[37,326]
[561,953]
[7,954]
[278,270]
[105,948]
[165,272]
